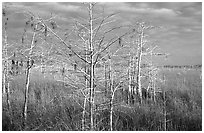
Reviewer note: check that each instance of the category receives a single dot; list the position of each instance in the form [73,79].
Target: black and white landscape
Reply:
[104,66]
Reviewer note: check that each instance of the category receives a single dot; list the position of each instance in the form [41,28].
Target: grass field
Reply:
[54,106]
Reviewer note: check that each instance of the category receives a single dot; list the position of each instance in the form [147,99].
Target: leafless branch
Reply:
[68,46]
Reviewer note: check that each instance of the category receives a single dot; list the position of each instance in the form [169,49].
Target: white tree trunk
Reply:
[91,67]
[112,95]
[28,68]
[26,97]
[84,115]
[139,61]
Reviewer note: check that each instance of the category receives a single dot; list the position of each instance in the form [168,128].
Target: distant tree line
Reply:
[183,66]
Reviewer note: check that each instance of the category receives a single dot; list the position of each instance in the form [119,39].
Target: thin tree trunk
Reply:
[105,76]
[154,89]
[8,102]
[112,95]
[130,77]
[164,106]
[5,53]
[150,74]
[4,77]
[86,83]
[111,111]
[29,65]
[92,95]
[164,112]
[26,97]
[84,104]
[165,121]
[139,65]
[129,84]
[109,76]
[134,74]
[84,115]
[91,67]
[6,82]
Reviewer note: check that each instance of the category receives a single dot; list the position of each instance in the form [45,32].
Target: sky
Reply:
[180,34]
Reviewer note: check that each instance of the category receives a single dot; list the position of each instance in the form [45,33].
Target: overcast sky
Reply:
[181,35]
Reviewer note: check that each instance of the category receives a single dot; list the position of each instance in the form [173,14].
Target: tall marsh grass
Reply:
[53,106]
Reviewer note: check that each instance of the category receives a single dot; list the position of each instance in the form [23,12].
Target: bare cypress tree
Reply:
[165,111]
[130,78]
[5,54]
[94,41]
[28,68]
[144,50]
[86,69]
[84,114]
[36,26]
[6,77]
[112,93]
[91,49]
[113,87]
[105,78]
[139,60]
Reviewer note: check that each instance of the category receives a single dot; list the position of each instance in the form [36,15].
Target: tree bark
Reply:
[28,67]
[141,35]
[91,67]
[26,97]
[84,115]
[112,95]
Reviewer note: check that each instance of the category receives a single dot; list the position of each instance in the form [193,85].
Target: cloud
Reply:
[164,11]
[183,21]
[142,8]
[44,9]
[61,7]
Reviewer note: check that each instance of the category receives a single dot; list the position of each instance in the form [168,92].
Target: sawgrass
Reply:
[54,106]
